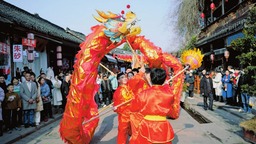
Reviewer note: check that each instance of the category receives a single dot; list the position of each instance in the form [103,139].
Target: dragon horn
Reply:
[100,19]
[113,14]
[106,16]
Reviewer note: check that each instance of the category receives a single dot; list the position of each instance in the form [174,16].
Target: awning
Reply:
[218,51]
[234,37]
[121,61]
[110,58]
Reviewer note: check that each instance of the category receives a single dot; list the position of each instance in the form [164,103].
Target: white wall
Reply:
[36,65]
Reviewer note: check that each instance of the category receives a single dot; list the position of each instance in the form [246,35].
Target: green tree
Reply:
[191,44]
[126,48]
[247,47]
[188,19]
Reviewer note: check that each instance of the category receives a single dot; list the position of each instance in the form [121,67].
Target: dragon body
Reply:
[113,31]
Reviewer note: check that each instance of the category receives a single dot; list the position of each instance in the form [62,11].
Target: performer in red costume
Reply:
[121,95]
[154,104]
[138,83]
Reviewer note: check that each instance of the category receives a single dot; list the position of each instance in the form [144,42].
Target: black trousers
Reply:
[106,97]
[1,127]
[191,93]
[97,99]
[210,96]
[11,118]
[47,112]
[20,117]
[64,102]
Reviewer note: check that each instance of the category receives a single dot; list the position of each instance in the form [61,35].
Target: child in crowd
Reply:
[16,89]
[12,106]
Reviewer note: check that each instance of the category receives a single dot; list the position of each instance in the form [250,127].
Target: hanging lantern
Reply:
[226,54]
[202,15]
[59,55]
[59,63]
[128,6]
[30,36]
[30,57]
[212,6]
[226,0]
[212,56]
[58,49]
[30,49]
[122,12]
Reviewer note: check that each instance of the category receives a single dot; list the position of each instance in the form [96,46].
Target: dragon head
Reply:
[118,26]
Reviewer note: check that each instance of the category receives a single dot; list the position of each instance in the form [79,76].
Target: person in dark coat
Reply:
[2,83]
[190,83]
[106,90]
[65,89]
[245,96]
[206,89]
[2,95]
[4,88]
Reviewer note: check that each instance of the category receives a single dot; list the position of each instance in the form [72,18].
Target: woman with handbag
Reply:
[45,95]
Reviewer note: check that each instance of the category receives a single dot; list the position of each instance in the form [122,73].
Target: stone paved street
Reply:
[187,130]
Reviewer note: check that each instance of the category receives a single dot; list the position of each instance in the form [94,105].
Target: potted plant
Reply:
[249,128]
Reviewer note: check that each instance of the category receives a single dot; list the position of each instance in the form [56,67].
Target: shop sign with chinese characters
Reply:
[29,42]
[17,53]
[3,47]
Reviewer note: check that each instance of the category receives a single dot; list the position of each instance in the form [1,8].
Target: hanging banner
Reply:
[3,47]
[29,42]
[17,53]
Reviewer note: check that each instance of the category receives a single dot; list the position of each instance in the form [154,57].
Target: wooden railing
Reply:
[197,84]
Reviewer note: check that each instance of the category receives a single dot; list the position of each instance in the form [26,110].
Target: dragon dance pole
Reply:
[115,107]
[135,54]
[178,73]
[106,68]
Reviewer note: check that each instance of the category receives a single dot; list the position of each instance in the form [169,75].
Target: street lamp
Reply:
[212,56]
[225,60]
[226,55]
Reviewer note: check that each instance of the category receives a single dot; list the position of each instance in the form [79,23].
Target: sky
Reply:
[157,18]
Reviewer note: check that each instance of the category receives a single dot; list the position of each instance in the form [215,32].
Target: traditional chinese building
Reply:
[23,34]
[222,21]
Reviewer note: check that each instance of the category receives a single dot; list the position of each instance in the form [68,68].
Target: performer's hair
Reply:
[147,70]
[119,75]
[130,73]
[135,70]
[158,76]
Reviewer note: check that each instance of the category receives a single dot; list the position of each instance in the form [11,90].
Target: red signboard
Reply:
[3,47]
[29,42]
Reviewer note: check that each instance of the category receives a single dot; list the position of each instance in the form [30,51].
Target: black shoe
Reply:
[26,125]
[211,109]
[52,117]
[32,125]
[205,108]
[9,131]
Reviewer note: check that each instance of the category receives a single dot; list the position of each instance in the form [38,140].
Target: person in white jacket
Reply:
[56,92]
[217,85]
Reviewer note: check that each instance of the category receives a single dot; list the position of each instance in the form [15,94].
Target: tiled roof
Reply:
[4,20]
[25,19]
